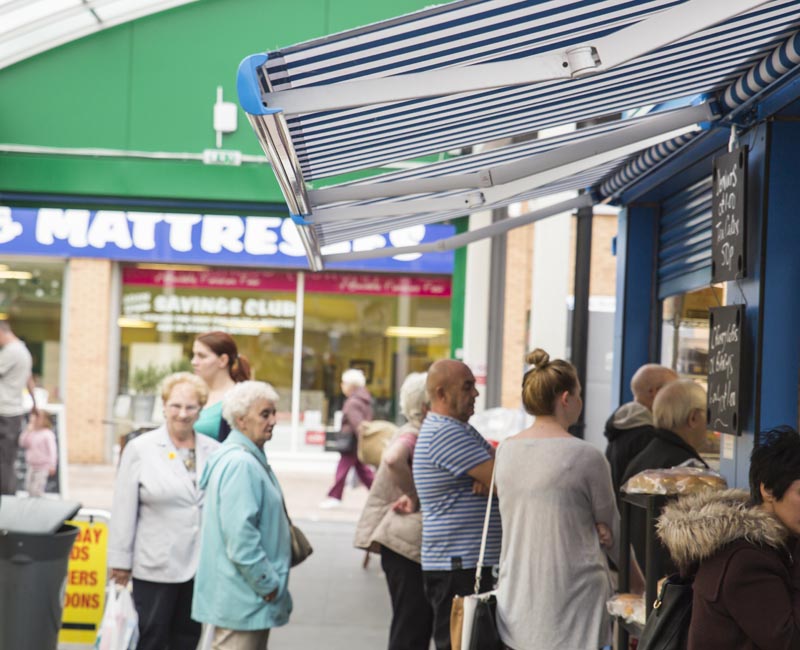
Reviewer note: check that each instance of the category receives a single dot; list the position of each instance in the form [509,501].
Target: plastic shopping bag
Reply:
[119,629]
[206,637]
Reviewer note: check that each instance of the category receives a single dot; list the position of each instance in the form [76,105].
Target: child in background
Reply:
[41,454]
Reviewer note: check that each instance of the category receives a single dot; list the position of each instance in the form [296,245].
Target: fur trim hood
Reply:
[695,527]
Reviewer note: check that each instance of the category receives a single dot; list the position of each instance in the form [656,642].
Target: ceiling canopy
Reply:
[29,27]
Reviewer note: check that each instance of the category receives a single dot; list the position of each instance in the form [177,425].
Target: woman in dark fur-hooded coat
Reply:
[743,549]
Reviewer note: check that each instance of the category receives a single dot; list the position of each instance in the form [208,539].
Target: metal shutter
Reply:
[684,240]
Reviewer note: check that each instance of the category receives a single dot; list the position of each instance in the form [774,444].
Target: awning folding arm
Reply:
[639,130]
[367,191]
[514,179]
[457,241]
[599,55]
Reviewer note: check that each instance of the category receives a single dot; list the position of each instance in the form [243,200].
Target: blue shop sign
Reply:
[209,239]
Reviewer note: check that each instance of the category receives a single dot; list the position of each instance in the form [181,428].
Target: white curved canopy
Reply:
[29,27]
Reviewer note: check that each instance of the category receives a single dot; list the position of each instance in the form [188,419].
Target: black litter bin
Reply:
[35,544]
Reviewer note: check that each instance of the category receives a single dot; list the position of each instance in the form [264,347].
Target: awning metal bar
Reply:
[311,245]
[368,191]
[465,202]
[502,193]
[639,130]
[599,55]
[273,135]
[457,241]
[496,195]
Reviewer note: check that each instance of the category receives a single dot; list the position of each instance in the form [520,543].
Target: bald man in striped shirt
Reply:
[452,471]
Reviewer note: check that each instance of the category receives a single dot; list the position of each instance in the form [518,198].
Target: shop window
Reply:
[31,297]
[164,308]
[684,344]
[387,326]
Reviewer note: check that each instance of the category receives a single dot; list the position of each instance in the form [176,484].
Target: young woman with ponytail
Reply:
[216,360]
[560,521]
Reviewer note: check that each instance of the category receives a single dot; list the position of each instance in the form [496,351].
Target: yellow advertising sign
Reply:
[86,583]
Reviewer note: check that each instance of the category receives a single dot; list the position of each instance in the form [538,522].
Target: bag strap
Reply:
[485,534]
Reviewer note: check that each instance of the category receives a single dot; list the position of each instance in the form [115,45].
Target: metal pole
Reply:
[297,361]
[494,343]
[624,566]
[580,313]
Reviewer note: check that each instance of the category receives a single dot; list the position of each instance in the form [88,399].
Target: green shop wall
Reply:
[150,85]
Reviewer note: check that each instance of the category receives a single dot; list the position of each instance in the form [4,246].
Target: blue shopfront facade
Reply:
[665,227]
[223,240]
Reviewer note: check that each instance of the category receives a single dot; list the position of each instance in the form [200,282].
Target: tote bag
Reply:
[477,612]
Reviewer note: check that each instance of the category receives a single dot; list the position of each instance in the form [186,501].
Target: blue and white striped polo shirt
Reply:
[452,516]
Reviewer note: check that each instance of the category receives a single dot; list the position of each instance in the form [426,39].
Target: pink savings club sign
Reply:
[336,283]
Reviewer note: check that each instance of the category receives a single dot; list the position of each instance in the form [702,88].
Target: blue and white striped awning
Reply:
[328,107]
[346,220]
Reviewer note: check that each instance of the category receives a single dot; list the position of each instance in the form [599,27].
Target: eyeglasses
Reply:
[189,408]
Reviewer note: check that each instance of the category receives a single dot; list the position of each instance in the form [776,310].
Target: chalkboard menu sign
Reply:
[728,220]
[724,368]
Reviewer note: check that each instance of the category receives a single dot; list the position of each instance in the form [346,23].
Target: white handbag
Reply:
[471,601]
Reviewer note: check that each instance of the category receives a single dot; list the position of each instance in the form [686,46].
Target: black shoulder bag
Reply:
[667,627]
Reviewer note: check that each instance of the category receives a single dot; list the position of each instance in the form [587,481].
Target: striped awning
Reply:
[394,92]
[542,175]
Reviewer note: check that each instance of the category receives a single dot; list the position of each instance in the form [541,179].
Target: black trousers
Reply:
[165,621]
[412,616]
[440,587]
[10,428]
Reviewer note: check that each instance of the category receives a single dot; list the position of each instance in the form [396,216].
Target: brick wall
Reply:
[519,270]
[603,278]
[87,358]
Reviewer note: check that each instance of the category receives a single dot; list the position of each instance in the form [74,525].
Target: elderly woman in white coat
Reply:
[155,517]
[391,524]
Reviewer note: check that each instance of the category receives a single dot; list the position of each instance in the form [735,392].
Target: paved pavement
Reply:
[338,604]
[304,483]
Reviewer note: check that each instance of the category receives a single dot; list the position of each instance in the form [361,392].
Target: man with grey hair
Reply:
[357,408]
[679,415]
[15,376]
[630,428]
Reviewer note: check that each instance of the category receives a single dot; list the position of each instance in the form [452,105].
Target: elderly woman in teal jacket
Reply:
[242,581]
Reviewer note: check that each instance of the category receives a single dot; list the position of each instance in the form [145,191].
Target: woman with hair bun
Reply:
[560,520]
[216,360]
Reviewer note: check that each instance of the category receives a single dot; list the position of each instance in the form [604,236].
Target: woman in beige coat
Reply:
[391,524]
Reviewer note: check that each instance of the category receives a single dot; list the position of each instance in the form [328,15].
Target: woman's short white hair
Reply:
[413,397]
[354,377]
[240,398]
[675,402]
